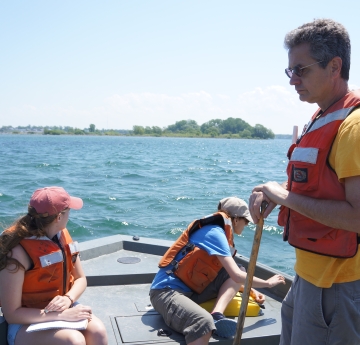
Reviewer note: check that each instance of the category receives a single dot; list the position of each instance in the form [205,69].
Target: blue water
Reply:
[150,187]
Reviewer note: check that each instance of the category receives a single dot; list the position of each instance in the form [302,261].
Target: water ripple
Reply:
[150,187]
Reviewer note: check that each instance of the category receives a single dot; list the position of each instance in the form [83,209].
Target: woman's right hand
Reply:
[275,280]
[77,313]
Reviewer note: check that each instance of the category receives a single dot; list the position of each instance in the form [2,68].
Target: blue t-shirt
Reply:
[210,238]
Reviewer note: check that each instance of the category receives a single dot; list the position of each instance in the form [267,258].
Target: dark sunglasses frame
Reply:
[298,70]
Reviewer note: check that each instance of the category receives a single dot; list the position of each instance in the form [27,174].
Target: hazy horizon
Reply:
[123,63]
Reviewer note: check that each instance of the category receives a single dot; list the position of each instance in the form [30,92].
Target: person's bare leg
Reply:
[204,340]
[226,293]
[95,333]
[53,337]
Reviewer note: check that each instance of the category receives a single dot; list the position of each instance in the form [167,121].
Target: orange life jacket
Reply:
[197,268]
[309,173]
[50,275]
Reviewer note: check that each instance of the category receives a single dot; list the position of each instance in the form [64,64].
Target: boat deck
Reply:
[119,294]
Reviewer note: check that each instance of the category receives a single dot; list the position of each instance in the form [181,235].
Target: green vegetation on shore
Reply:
[230,128]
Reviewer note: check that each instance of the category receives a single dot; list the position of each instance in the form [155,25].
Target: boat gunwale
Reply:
[110,244]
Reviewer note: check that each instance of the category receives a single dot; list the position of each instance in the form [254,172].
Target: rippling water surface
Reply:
[150,187]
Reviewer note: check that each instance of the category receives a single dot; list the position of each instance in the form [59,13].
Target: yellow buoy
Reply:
[233,307]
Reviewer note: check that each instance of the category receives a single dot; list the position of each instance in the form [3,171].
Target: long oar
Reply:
[250,276]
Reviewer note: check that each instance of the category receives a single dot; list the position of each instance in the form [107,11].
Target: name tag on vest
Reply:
[305,154]
[50,259]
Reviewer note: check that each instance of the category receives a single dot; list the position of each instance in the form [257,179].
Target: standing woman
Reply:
[41,277]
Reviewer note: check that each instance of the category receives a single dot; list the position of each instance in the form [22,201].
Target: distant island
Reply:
[283,136]
[233,128]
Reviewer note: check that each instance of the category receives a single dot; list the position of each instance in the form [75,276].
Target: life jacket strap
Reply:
[188,248]
[175,264]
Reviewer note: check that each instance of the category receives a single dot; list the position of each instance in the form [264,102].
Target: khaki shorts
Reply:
[181,311]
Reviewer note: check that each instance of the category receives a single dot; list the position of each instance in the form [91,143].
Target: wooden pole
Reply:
[249,276]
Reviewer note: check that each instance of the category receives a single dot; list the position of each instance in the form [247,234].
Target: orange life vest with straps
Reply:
[50,275]
[309,173]
[196,268]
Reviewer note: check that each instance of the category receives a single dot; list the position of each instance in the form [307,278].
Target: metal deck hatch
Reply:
[143,329]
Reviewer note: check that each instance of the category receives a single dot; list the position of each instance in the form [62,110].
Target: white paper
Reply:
[41,326]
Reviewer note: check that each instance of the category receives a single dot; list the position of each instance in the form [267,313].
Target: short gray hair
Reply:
[327,40]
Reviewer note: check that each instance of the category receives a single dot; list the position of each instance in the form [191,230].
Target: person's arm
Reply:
[335,213]
[11,284]
[239,276]
[60,303]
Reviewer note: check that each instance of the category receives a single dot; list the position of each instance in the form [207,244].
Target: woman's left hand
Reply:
[58,303]
[256,295]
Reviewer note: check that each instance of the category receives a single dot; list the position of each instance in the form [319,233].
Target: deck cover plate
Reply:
[128,260]
[143,329]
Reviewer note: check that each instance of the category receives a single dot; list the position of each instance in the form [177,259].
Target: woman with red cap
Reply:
[41,277]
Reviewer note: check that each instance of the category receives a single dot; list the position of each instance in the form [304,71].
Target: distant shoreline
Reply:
[231,128]
[277,136]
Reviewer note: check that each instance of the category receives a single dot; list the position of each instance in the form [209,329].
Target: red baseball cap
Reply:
[53,200]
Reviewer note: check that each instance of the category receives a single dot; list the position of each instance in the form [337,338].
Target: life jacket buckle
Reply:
[188,248]
[175,265]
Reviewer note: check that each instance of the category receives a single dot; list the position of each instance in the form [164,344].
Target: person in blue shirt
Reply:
[179,305]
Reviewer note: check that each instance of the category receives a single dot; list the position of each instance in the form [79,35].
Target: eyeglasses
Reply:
[297,70]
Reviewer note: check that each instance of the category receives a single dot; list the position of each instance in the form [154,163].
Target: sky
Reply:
[120,63]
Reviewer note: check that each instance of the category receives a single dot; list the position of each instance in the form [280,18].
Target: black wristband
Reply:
[71,300]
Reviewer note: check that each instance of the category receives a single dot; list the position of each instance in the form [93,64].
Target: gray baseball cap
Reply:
[235,207]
